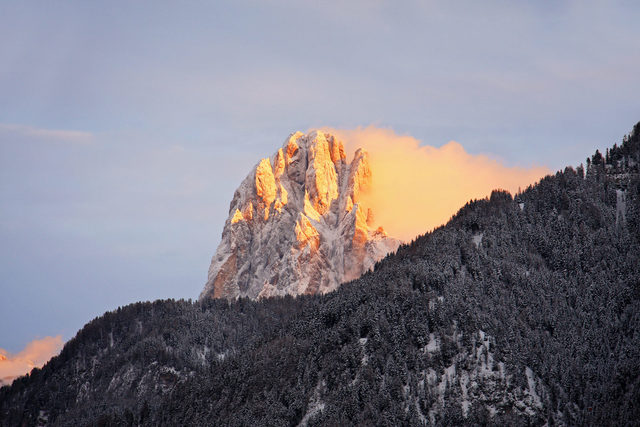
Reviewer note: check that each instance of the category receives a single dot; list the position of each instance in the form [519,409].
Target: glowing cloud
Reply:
[418,187]
[33,133]
[35,354]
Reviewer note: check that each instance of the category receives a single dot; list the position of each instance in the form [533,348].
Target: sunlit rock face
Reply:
[297,224]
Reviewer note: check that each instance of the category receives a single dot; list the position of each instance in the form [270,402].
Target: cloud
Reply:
[35,354]
[30,132]
[418,187]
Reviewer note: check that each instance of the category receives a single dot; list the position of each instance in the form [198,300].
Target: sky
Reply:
[125,127]
[416,187]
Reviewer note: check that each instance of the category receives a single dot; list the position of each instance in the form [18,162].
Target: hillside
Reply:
[520,310]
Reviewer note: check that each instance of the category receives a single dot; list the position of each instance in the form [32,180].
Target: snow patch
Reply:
[122,379]
[531,383]
[464,380]
[475,376]
[433,345]
[202,354]
[365,356]
[315,405]
[43,418]
[621,207]
[477,239]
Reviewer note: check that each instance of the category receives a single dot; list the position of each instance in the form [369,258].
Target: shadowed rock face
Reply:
[297,224]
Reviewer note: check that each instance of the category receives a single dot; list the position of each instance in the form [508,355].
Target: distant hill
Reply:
[520,310]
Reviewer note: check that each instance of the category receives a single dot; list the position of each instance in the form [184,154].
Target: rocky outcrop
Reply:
[297,224]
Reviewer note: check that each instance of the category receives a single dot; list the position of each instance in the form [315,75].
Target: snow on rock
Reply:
[477,239]
[621,207]
[298,225]
[315,405]
[433,345]
[365,356]
[43,418]
[474,376]
[531,390]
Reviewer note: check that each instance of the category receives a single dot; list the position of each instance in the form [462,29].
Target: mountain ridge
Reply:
[518,311]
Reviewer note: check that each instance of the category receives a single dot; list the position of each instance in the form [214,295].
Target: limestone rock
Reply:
[297,224]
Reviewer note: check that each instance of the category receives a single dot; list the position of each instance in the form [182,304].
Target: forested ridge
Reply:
[522,309]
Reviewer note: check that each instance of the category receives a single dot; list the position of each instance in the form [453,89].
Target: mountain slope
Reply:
[297,224]
[518,311]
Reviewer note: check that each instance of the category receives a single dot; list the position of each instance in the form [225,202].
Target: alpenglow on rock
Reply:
[297,224]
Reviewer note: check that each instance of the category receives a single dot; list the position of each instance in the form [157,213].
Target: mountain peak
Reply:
[297,223]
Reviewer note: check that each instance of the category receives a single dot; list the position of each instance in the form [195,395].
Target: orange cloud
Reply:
[35,354]
[416,188]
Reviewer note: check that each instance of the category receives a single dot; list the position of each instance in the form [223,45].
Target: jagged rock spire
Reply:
[297,224]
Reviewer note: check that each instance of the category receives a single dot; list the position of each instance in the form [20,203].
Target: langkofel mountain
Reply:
[521,310]
[297,224]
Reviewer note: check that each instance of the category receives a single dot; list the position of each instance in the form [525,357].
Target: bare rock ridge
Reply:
[297,224]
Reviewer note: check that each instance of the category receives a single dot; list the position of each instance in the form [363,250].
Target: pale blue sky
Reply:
[126,126]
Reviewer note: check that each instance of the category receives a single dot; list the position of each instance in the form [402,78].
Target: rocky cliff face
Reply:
[297,224]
